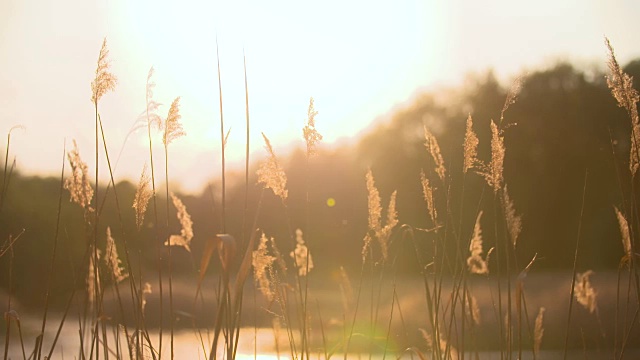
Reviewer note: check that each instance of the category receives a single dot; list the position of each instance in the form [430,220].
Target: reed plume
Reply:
[186,231]
[624,231]
[271,174]
[493,173]
[512,96]
[146,291]
[311,135]
[142,197]
[475,262]
[111,259]
[376,230]
[78,184]
[262,266]
[621,85]
[434,149]
[152,116]
[104,80]
[584,292]
[514,221]
[172,126]
[301,255]
[427,192]
[538,332]
[470,146]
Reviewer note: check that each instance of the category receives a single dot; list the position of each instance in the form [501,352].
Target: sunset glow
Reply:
[357,59]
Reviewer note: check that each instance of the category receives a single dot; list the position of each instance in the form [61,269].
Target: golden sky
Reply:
[358,59]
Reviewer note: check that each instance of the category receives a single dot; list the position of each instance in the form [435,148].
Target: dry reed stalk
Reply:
[93,276]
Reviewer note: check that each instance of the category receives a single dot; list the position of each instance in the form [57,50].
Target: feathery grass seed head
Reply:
[153,119]
[271,174]
[512,95]
[494,173]
[624,231]
[104,80]
[514,221]
[112,260]
[475,262]
[427,192]
[538,331]
[262,263]
[78,184]
[186,231]
[584,292]
[172,126]
[470,146]
[311,135]
[301,255]
[143,194]
[434,149]
[621,85]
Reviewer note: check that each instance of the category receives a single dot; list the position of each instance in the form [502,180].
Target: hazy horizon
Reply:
[359,62]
